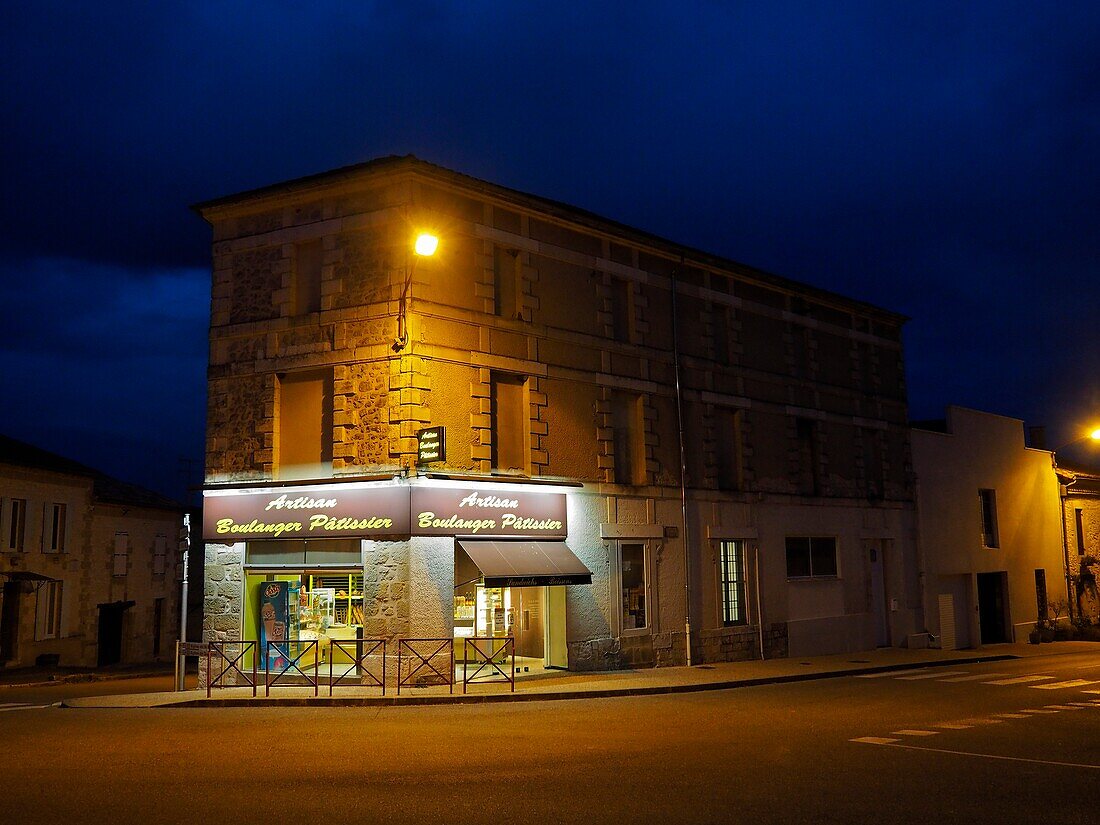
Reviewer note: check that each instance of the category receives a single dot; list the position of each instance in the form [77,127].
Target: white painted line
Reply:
[907,732]
[22,707]
[1012,715]
[891,673]
[1018,680]
[1090,691]
[975,678]
[982,755]
[982,721]
[874,740]
[1072,683]
[931,675]
[1062,707]
[1084,704]
[1038,710]
[952,726]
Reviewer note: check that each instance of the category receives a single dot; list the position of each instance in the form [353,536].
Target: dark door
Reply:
[991,607]
[9,620]
[110,634]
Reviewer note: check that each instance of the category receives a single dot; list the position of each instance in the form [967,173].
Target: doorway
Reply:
[110,632]
[9,621]
[878,599]
[991,608]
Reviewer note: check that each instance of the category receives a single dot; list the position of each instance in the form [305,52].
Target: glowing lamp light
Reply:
[1095,434]
[426,244]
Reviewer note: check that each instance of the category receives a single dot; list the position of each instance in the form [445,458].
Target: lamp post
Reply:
[424,246]
[1063,490]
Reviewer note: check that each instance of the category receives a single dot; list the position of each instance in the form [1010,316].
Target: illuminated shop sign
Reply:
[329,512]
[431,445]
[306,512]
[446,511]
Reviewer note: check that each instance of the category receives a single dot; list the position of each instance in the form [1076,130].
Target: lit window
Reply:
[811,557]
[732,573]
[634,586]
[988,501]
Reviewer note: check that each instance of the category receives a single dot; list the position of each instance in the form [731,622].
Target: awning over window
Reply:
[526,563]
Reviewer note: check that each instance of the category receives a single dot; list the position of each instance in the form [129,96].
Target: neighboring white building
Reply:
[988,508]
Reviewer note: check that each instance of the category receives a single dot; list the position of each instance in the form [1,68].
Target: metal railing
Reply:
[359,652]
[487,650]
[282,653]
[232,665]
[425,667]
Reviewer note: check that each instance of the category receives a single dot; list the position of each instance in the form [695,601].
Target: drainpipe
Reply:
[683,467]
[1063,491]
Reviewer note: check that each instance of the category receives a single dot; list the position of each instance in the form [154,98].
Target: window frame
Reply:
[160,554]
[812,576]
[121,540]
[55,527]
[53,592]
[15,525]
[740,582]
[648,606]
[991,534]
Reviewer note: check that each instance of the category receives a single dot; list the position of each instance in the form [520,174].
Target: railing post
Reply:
[209,671]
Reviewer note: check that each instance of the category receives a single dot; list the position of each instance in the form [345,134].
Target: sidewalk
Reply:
[27,677]
[555,686]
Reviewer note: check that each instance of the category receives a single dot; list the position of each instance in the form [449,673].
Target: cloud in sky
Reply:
[937,159]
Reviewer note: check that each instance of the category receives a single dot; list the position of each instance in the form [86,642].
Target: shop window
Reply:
[308,259]
[160,554]
[731,556]
[305,425]
[53,532]
[628,429]
[510,422]
[17,524]
[731,461]
[634,586]
[120,560]
[811,557]
[506,280]
[47,620]
[1079,522]
[622,310]
[987,500]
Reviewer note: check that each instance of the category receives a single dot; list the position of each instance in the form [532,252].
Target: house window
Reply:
[510,422]
[17,524]
[308,259]
[720,331]
[622,310]
[988,501]
[506,269]
[121,558]
[629,444]
[811,557]
[54,533]
[47,619]
[1079,521]
[305,425]
[808,456]
[160,554]
[732,575]
[634,586]
[731,461]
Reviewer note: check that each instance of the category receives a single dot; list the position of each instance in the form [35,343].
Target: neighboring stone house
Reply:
[1081,513]
[991,542]
[88,564]
[574,364]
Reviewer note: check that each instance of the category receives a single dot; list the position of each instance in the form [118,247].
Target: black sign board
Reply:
[431,445]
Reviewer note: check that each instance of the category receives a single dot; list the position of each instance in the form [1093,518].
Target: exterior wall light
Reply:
[426,244]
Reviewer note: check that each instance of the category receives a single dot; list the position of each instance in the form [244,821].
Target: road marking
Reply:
[908,732]
[1038,710]
[1084,704]
[982,721]
[975,677]
[12,706]
[952,726]
[871,741]
[931,675]
[874,740]
[1062,707]
[1018,680]
[1090,691]
[1072,683]
[1012,715]
[890,673]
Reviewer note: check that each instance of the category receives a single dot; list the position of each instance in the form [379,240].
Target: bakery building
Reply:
[443,408]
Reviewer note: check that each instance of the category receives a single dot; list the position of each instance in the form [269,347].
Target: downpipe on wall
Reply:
[683,466]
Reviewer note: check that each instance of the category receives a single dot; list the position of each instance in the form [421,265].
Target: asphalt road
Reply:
[940,745]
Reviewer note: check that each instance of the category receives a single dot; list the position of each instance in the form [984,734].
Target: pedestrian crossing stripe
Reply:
[874,740]
[1038,710]
[1072,683]
[1063,707]
[891,673]
[975,677]
[930,675]
[1018,680]
[952,726]
[908,732]
[1012,715]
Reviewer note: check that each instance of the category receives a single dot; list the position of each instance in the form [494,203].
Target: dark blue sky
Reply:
[939,159]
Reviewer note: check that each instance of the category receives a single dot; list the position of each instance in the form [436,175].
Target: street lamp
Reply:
[424,246]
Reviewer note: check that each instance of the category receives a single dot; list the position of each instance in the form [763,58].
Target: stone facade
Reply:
[114,547]
[581,310]
[1081,511]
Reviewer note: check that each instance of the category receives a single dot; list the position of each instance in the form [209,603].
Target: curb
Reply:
[77,678]
[596,693]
